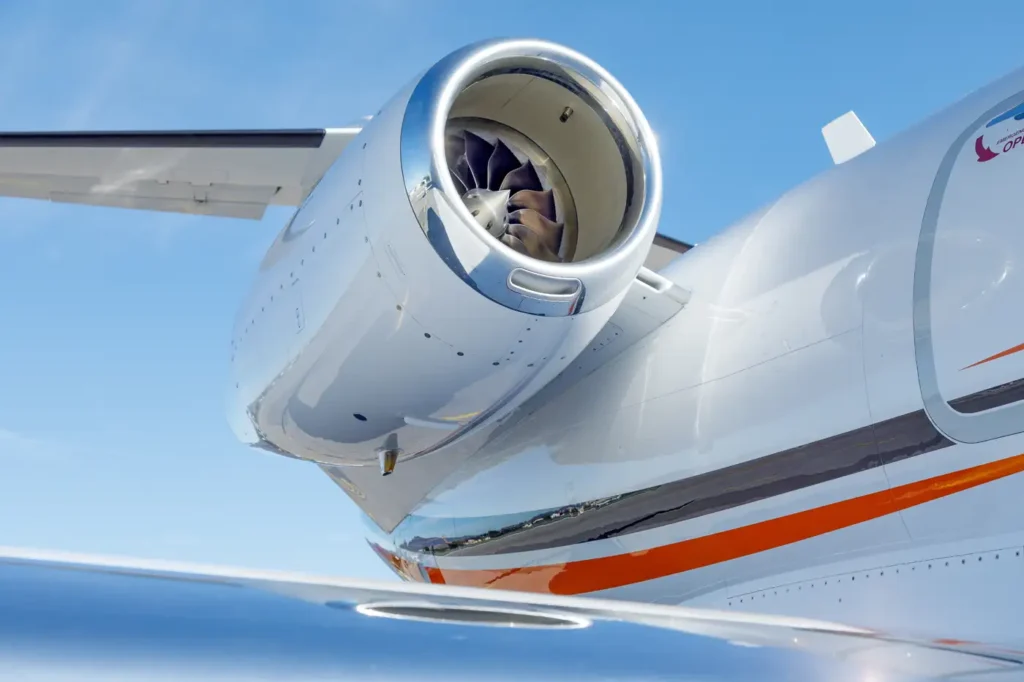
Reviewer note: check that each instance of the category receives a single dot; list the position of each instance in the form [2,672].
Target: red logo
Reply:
[1010,142]
[983,152]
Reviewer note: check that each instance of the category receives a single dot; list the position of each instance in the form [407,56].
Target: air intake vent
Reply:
[469,615]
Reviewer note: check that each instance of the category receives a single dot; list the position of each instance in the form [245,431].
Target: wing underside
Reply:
[221,173]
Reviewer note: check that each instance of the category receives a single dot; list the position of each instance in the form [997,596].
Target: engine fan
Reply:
[512,189]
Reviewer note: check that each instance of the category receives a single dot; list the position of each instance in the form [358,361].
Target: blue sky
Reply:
[114,325]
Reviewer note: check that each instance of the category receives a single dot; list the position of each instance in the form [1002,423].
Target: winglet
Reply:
[847,137]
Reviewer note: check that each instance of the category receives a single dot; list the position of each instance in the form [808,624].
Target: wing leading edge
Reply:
[235,173]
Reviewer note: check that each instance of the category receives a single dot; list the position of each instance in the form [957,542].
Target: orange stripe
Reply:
[603,573]
[405,568]
[1003,354]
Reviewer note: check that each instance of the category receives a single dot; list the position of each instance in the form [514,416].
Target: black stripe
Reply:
[296,139]
[907,436]
[783,472]
[990,398]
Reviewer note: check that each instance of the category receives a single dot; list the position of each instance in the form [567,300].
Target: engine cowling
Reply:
[470,242]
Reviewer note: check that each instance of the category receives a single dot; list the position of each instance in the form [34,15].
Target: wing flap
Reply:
[177,197]
[234,174]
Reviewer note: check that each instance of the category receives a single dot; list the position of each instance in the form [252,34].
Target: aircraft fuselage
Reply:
[831,427]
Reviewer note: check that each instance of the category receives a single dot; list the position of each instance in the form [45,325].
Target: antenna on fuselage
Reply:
[847,138]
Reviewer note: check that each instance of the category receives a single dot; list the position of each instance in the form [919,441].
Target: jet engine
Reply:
[459,254]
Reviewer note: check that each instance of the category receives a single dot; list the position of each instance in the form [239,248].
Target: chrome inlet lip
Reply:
[427,179]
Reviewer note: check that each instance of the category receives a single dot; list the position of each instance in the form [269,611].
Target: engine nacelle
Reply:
[463,249]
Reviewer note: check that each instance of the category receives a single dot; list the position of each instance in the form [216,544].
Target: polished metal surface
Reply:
[779,473]
[85,619]
[428,180]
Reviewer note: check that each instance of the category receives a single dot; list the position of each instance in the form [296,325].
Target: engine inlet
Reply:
[526,162]
[512,188]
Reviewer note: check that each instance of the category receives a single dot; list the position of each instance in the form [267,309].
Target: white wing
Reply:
[209,172]
[67,617]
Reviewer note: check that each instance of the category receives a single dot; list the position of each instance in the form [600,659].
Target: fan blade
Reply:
[514,243]
[541,202]
[501,163]
[535,245]
[454,147]
[461,170]
[478,151]
[548,231]
[524,177]
[460,186]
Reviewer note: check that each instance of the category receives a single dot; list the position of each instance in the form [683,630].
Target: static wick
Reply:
[566,114]
[388,460]
[388,454]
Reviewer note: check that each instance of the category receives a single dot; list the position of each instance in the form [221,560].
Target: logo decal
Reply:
[983,152]
[1009,137]
[1017,114]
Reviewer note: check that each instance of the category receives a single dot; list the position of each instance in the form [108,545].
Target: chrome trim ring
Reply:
[427,179]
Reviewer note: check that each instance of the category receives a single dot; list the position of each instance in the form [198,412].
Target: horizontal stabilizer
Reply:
[235,173]
[847,138]
[663,251]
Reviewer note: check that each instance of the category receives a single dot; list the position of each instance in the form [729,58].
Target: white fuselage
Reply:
[785,442]
[831,427]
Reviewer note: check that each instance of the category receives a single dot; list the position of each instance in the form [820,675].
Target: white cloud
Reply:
[20,50]
[21,445]
[14,443]
[118,48]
